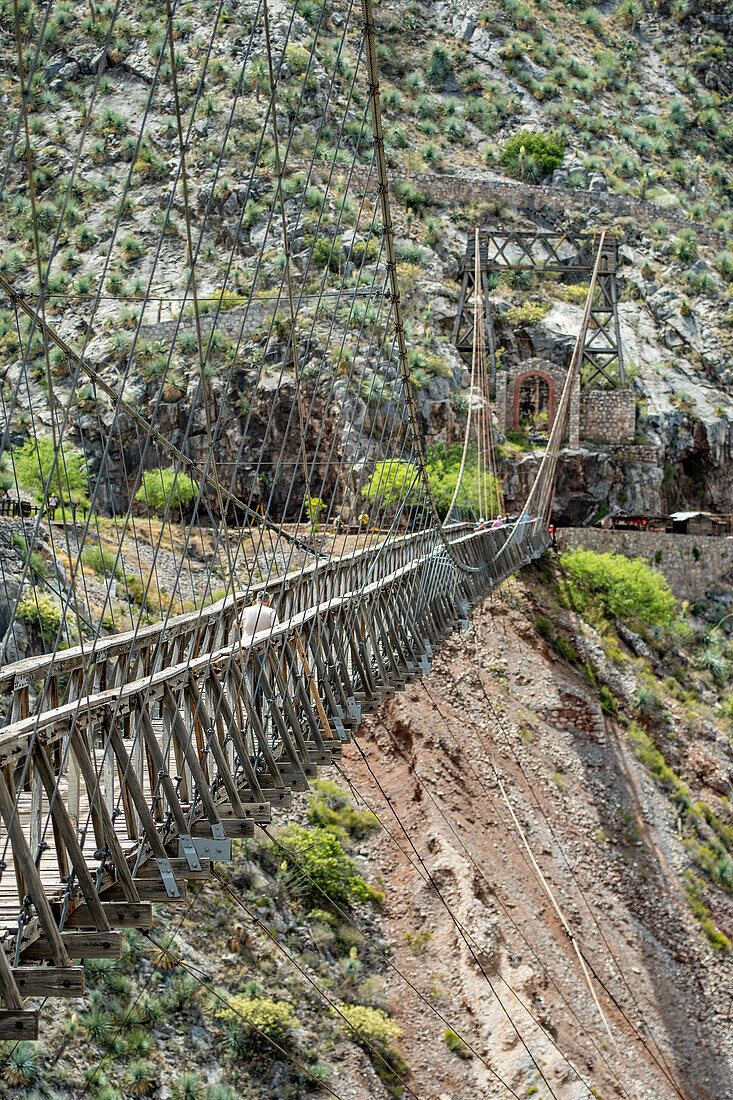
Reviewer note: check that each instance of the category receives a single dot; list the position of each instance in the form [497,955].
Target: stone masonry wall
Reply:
[608,416]
[479,187]
[693,565]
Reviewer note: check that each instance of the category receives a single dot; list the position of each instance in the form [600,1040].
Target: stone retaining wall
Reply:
[693,565]
[608,416]
[477,187]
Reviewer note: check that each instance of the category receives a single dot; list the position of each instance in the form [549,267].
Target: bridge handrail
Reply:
[114,645]
[51,724]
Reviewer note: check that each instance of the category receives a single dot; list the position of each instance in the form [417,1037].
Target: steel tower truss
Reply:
[563,253]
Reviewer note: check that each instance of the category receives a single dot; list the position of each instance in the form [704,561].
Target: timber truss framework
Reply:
[537,251]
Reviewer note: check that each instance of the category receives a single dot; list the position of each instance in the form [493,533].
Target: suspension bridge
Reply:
[145,730]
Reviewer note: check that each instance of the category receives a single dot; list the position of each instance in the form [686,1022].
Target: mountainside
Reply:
[635,97]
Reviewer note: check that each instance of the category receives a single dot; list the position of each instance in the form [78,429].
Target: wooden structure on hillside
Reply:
[699,523]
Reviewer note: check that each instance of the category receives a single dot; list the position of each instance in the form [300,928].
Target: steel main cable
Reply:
[196,974]
[387,230]
[656,1054]
[383,954]
[110,1053]
[359,798]
[193,468]
[492,886]
[311,981]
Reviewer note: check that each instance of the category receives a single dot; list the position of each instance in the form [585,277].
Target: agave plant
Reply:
[141,1077]
[22,1064]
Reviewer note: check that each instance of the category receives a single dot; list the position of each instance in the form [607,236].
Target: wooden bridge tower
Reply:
[536,251]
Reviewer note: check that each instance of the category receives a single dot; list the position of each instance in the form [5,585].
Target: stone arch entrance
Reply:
[534,401]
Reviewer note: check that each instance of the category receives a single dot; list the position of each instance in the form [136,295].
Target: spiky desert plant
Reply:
[141,1077]
[22,1065]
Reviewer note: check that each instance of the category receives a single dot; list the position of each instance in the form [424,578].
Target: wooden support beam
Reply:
[196,701]
[235,827]
[260,812]
[68,832]
[9,991]
[180,869]
[78,945]
[18,1024]
[183,737]
[50,981]
[31,875]
[225,718]
[166,783]
[149,889]
[120,914]
[99,810]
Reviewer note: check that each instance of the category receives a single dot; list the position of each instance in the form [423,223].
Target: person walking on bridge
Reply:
[254,619]
[257,617]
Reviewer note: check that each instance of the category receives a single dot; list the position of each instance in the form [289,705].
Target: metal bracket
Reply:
[339,727]
[209,848]
[354,710]
[21,681]
[188,851]
[217,831]
[166,873]
[425,665]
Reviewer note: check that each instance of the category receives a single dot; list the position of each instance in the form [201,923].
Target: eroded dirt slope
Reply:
[502,714]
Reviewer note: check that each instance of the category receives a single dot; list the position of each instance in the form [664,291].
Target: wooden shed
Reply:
[699,523]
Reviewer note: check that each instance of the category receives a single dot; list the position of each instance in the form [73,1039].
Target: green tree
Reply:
[444,464]
[392,482]
[33,461]
[162,489]
[616,586]
[529,149]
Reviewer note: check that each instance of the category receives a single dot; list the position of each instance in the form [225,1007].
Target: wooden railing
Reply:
[176,739]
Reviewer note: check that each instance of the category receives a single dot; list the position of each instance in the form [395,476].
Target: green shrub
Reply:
[694,888]
[102,561]
[21,1066]
[43,611]
[188,1086]
[618,587]
[455,1044]
[141,1077]
[439,65]
[320,863]
[374,1024]
[377,1033]
[546,151]
[34,463]
[608,701]
[543,627]
[247,1016]
[529,313]
[331,808]
[410,196]
[162,489]
[393,481]
[327,253]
